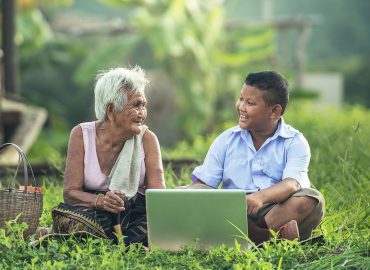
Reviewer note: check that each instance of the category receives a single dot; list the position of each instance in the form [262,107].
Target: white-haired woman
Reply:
[97,156]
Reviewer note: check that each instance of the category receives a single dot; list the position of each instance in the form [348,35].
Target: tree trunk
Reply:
[11,84]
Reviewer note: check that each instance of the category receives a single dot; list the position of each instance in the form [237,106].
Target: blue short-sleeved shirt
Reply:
[233,160]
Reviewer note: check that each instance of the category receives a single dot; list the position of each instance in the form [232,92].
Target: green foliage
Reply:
[32,31]
[357,82]
[303,93]
[196,149]
[51,145]
[47,78]
[11,236]
[341,29]
[187,40]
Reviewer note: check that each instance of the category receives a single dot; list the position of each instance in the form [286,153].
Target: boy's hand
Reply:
[254,203]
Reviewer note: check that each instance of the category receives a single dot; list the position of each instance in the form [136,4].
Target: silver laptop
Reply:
[201,218]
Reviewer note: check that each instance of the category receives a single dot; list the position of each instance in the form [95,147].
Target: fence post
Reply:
[11,83]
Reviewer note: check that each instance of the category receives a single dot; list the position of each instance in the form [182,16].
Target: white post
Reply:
[267,10]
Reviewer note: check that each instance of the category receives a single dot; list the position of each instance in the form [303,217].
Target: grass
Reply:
[339,168]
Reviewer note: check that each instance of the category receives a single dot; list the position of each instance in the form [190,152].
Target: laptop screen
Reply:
[202,218]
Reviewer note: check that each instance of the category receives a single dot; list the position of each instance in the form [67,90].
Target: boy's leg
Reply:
[315,217]
[305,206]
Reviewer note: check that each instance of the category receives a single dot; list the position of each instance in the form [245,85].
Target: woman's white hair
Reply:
[114,85]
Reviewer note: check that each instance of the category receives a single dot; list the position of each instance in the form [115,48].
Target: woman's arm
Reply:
[74,178]
[74,172]
[153,161]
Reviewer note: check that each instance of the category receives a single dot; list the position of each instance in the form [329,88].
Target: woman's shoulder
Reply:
[150,142]
[149,136]
[80,128]
[87,125]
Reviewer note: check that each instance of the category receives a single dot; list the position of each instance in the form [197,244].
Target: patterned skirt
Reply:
[70,219]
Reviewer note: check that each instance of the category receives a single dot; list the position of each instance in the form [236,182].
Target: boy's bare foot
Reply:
[289,231]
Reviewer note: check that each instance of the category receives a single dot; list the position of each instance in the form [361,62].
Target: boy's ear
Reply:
[276,111]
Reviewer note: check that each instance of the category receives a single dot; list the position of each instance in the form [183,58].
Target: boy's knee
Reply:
[313,218]
[305,205]
[309,202]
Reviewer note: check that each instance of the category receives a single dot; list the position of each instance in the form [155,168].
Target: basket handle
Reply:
[22,158]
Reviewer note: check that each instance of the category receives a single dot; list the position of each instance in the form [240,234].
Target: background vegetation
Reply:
[203,62]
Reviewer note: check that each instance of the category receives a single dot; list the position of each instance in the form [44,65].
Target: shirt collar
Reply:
[283,130]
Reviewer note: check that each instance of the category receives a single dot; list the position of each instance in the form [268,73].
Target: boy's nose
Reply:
[241,106]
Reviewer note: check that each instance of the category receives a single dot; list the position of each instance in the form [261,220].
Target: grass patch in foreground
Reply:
[345,246]
[101,254]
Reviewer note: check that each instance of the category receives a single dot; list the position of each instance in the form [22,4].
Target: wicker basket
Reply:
[27,202]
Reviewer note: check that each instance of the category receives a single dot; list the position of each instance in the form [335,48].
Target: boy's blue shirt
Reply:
[233,160]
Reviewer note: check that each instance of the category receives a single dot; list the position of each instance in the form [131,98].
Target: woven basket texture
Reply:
[29,205]
[26,203]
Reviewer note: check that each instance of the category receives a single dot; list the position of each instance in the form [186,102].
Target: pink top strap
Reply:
[94,179]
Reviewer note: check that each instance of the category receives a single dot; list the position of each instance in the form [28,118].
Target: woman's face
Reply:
[133,115]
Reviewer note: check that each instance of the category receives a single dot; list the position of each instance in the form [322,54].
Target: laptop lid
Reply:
[203,218]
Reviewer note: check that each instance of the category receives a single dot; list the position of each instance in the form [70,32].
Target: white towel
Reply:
[125,174]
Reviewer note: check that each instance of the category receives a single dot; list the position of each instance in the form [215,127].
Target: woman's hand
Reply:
[112,201]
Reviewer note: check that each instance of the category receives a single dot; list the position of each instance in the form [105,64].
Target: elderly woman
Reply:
[110,163]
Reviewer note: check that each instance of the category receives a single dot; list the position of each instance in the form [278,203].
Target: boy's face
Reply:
[254,114]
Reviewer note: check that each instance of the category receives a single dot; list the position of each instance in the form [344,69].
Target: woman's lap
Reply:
[69,219]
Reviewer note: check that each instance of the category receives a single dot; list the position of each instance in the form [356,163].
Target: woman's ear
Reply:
[110,112]
[276,111]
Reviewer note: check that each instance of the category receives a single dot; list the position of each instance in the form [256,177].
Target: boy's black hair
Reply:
[274,86]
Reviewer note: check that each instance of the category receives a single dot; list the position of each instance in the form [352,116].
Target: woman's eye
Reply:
[139,105]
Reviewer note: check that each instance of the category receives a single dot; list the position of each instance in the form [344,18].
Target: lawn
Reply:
[340,169]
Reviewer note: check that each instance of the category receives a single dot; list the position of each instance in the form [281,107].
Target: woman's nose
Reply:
[142,111]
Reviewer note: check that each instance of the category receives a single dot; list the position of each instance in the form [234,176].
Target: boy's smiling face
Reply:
[254,114]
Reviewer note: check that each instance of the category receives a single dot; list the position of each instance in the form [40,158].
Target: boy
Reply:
[268,159]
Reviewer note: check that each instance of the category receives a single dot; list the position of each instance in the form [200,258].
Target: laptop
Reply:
[201,218]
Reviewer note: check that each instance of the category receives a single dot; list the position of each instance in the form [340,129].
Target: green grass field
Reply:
[340,169]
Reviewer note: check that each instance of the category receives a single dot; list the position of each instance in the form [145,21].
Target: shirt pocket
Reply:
[274,172]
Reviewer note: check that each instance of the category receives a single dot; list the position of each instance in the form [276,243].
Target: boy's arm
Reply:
[294,177]
[277,193]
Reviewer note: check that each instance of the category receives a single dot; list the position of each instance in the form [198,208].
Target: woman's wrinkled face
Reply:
[133,115]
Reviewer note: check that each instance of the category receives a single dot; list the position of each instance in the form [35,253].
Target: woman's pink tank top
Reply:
[94,179]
